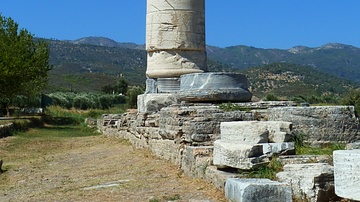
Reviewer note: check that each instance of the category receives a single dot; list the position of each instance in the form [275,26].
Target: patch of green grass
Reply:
[154,200]
[172,198]
[96,113]
[302,148]
[166,198]
[269,171]
[326,149]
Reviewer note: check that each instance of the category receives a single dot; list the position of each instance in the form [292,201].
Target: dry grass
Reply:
[55,167]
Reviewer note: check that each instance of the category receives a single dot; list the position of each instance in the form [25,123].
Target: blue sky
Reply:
[259,23]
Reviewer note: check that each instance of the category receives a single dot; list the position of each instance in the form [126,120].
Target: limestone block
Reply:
[251,132]
[238,155]
[196,124]
[320,123]
[256,131]
[279,131]
[214,86]
[166,149]
[174,63]
[278,148]
[154,102]
[310,182]
[254,190]
[347,173]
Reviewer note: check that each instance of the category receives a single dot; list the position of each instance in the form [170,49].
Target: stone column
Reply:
[175,38]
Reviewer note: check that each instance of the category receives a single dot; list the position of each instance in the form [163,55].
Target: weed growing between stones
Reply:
[269,171]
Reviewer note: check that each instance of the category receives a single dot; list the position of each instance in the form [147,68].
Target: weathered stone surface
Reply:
[265,104]
[175,24]
[254,132]
[312,182]
[168,85]
[238,155]
[151,86]
[175,38]
[354,145]
[154,102]
[166,149]
[195,160]
[251,132]
[163,64]
[278,148]
[255,190]
[302,159]
[347,173]
[320,123]
[196,124]
[214,86]
[279,131]
[218,177]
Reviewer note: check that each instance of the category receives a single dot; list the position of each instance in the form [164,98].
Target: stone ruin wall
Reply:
[184,134]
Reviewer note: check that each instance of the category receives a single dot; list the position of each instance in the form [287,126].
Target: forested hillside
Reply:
[88,64]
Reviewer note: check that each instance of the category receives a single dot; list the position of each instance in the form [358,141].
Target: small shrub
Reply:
[269,171]
[172,198]
[271,97]
[353,98]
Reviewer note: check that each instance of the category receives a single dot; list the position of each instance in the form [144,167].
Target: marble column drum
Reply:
[175,38]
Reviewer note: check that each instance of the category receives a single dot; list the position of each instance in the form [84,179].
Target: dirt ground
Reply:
[96,168]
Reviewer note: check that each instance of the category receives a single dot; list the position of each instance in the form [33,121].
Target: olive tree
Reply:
[24,62]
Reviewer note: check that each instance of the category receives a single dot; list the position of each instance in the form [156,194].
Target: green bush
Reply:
[352,98]
[132,94]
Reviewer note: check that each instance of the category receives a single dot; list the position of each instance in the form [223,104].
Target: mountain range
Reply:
[89,63]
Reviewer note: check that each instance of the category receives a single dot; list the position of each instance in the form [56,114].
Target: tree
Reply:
[24,62]
[122,85]
[352,98]
[132,95]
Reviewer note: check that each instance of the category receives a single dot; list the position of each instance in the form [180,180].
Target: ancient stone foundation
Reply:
[207,142]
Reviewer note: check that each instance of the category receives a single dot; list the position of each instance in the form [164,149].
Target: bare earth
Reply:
[95,168]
